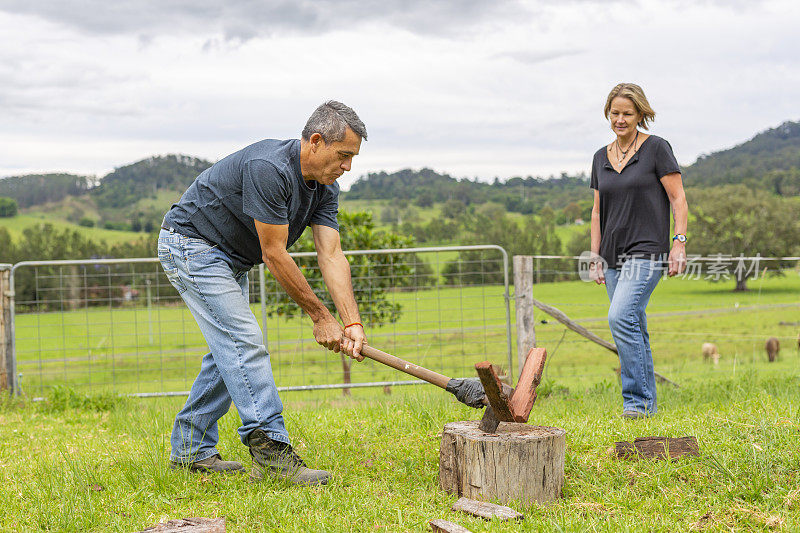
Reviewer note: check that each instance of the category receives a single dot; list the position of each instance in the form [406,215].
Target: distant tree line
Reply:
[131,198]
[425,187]
[39,189]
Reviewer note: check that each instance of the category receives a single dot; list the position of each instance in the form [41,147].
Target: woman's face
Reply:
[623,116]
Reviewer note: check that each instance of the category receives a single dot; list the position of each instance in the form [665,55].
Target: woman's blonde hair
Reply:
[635,94]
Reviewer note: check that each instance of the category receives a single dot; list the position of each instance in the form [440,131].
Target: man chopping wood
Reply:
[247,208]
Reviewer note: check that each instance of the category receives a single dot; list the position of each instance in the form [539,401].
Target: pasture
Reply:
[135,349]
[86,460]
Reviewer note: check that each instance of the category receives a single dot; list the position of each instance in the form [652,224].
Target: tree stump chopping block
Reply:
[519,462]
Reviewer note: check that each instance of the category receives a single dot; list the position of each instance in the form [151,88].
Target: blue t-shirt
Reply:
[262,182]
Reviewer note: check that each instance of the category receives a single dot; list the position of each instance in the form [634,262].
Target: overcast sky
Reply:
[474,88]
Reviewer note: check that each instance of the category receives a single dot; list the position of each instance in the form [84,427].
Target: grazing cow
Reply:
[710,352]
[772,346]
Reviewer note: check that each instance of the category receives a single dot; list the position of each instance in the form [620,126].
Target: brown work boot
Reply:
[280,460]
[213,464]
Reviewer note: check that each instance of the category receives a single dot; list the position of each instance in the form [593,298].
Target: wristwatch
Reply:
[680,237]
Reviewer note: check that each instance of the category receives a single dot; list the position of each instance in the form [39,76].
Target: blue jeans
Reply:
[237,366]
[629,288]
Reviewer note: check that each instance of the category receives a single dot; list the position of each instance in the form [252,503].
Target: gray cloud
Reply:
[530,57]
[40,85]
[244,20]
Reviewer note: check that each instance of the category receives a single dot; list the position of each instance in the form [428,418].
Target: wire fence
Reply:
[685,311]
[119,325]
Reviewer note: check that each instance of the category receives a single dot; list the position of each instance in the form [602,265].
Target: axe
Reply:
[504,404]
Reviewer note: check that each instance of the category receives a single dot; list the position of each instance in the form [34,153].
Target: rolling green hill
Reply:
[133,198]
[16,225]
[769,161]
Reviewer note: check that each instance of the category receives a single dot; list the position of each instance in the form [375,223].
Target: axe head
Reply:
[489,422]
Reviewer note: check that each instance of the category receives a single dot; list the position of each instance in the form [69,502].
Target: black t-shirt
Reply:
[262,182]
[634,207]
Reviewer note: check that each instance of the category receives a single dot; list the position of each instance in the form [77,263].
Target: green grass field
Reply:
[16,225]
[78,463]
[86,460]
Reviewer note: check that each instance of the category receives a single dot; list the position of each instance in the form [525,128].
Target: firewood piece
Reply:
[189,525]
[525,394]
[444,526]
[493,388]
[518,463]
[657,448]
[486,510]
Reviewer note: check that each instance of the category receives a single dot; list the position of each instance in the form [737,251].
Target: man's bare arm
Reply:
[336,273]
[273,239]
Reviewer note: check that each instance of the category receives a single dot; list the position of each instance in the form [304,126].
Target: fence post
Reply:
[6,354]
[523,304]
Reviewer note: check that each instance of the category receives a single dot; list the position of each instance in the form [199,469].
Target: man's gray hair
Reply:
[331,120]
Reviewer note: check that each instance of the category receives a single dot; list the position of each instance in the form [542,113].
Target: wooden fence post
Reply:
[523,304]
[6,358]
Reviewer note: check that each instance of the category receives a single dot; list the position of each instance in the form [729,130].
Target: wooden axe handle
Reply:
[404,366]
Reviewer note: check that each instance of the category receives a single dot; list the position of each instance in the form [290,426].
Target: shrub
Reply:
[8,207]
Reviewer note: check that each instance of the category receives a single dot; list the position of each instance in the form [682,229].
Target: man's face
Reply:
[330,161]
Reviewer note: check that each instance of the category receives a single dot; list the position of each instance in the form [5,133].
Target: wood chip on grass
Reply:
[486,510]
[657,448]
[443,526]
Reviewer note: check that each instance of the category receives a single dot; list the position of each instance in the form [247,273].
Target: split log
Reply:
[486,510]
[189,525]
[518,462]
[495,393]
[657,448]
[444,526]
[524,395]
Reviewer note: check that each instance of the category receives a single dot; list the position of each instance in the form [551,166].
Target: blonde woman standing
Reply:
[636,180]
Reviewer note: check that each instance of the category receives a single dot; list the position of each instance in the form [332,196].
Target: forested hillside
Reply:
[127,185]
[430,207]
[37,189]
[769,161]
[424,187]
[132,197]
